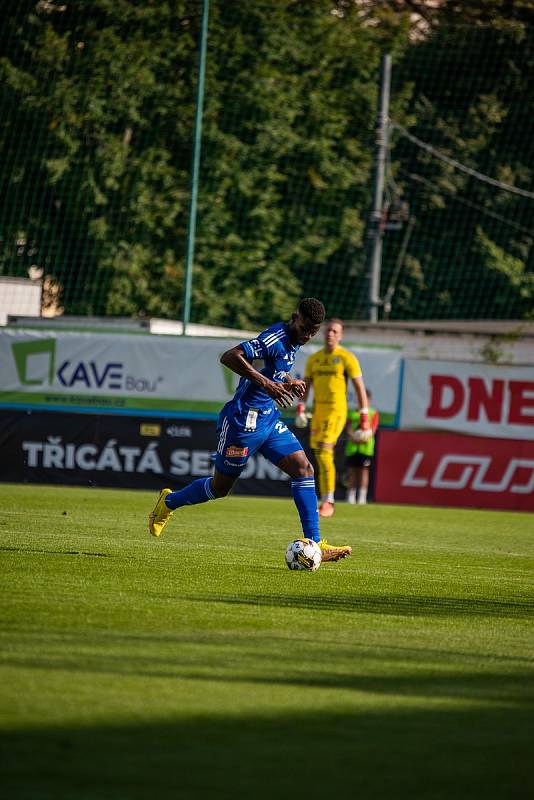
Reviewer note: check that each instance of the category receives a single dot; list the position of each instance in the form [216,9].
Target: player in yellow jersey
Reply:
[328,371]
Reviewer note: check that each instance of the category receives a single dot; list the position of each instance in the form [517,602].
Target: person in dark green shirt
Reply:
[359,455]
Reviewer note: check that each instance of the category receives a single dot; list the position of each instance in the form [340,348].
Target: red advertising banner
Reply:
[438,469]
[473,399]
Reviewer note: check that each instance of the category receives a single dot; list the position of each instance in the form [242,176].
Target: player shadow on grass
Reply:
[411,605]
[408,752]
[407,674]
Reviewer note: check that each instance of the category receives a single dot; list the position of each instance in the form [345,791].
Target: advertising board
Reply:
[441,469]
[476,399]
[145,373]
[122,452]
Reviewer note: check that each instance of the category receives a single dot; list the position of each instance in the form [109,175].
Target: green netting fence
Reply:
[462,157]
[97,109]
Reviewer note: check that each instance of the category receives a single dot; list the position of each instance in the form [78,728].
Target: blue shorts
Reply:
[241,434]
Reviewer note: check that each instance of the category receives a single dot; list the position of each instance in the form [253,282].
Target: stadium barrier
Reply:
[146,374]
[120,451]
[135,410]
[475,399]
[416,467]
[466,437]
[139,411]
[441,469]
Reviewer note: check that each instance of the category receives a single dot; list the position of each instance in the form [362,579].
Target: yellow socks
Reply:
[327,471]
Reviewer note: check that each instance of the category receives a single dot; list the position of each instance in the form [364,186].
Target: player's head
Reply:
[306,321]
[333,333]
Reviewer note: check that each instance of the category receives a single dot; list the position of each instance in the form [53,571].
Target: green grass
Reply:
[199,666]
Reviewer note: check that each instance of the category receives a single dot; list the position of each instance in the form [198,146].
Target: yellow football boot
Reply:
[332,553]
[158,518]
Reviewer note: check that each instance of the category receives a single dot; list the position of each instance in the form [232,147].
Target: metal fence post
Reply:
[197,139]
[382,124]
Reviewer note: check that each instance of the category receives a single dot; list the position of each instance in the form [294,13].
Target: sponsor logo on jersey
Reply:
[236,452]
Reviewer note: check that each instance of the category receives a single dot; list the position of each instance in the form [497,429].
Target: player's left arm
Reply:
[363,402]
[354,372]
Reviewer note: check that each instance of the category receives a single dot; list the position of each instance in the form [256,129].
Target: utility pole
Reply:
[197,139]
[375,220]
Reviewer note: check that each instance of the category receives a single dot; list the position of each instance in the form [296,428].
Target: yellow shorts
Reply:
[327,426]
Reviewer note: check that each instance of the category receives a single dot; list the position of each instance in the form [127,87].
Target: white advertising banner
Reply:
[476,399]
[145,372]
[381,373]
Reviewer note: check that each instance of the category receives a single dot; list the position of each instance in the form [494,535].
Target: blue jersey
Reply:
[274,347]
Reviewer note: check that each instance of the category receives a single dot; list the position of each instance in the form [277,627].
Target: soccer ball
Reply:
[303,554]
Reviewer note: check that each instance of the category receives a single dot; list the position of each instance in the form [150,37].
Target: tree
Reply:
[285,161]
[471,102]
[97,104]
[107,90]
[101,99]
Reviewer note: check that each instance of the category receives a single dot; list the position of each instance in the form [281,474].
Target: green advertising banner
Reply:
[148,374]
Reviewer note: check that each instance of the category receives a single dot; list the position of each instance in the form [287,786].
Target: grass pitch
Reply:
[199,666]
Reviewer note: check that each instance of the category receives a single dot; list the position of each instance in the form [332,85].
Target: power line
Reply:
[419,179]
[506,187]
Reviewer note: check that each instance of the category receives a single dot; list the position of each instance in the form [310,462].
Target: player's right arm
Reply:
[235,360]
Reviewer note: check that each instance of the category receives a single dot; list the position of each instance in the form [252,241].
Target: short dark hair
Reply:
[336,321]
[313,310]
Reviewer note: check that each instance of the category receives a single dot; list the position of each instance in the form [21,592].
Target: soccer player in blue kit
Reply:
[251,423]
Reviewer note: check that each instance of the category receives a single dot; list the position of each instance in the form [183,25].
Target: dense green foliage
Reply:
[97,102]
[475,106]
[199,666]
[107,89]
